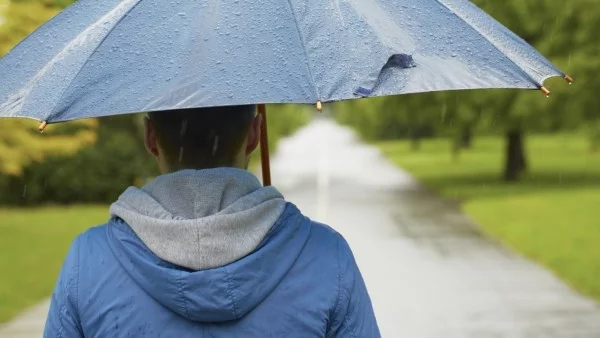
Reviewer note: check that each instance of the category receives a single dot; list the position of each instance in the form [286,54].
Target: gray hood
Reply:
[201,219]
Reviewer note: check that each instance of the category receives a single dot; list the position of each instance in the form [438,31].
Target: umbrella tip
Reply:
[319,106]
[42,126]
[569,79]
[545,91]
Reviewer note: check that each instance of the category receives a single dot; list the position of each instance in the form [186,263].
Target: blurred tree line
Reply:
[90,161]
[565,31]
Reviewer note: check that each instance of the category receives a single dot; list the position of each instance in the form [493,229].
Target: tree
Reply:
[565,38]
[564,31]
[391,117]
[20,143]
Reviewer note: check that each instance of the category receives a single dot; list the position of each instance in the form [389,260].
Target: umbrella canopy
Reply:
[108,57]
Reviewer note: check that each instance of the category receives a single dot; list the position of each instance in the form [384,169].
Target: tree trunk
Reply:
[415,138]
[466,136]
[456,148]
[515,163]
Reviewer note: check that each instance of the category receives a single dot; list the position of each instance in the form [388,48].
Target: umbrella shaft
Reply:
[264,146]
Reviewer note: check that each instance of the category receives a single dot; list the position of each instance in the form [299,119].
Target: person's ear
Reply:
[253,138]
[150,140]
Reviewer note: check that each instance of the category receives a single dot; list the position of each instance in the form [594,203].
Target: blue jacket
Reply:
[301,281]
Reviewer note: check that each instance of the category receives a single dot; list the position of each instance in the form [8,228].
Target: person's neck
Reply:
[172,170]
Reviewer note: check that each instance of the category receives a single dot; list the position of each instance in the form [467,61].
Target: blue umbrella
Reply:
[100,58]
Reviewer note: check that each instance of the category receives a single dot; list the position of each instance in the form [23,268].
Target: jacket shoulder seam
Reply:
[340,277]
[230,291]
[77,264]
[342,292]
[181,295]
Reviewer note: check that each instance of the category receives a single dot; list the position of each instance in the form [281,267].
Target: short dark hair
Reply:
[202,138]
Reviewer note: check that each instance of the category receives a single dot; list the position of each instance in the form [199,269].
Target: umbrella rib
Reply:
[92,53]
[531,78]
[312,80]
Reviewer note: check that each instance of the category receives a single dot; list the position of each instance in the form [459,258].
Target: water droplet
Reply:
[215,145]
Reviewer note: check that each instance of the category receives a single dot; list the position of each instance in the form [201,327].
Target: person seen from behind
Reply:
[204,250]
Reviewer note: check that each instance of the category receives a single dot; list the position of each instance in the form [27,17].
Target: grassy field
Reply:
[34,243]
[551,216]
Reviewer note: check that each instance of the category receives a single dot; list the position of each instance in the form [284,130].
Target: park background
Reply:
[526,168]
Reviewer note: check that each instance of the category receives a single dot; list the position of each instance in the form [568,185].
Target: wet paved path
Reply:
[29,324]
[429,271]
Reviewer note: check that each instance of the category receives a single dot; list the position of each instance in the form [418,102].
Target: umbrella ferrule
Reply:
[42,126]
[319,106]
[545,91]
[569,79]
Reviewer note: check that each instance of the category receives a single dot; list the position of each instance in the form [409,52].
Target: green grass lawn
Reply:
[34,243]
[551,216]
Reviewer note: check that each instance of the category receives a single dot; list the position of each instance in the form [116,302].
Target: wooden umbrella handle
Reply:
[264,146]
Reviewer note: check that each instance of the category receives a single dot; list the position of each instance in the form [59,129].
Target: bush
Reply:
[96,174]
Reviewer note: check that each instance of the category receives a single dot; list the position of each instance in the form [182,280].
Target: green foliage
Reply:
[59,3]
[20,143]
[97,173]
[20,19]
[391,117]
[564,31]
[551,216]
[34,244]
